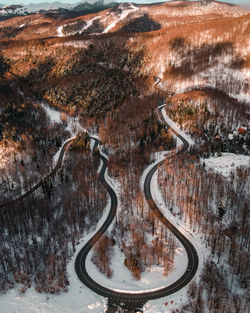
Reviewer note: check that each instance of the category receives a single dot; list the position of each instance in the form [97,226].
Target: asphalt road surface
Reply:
[138,298]
[6,204]
[127,299]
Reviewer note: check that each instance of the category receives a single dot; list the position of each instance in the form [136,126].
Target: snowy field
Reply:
[227,163]
[73,125]
[151,279]
[54,115]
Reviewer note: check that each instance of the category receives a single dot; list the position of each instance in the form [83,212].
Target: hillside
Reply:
[67,75]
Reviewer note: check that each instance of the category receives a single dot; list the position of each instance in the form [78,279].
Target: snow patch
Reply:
[124,14]
[60,31]
[170,303]
[79,31]
[151,279]
[233,81]
[196,9]
[227,163]
[79,44]
[74,126]
[55,116]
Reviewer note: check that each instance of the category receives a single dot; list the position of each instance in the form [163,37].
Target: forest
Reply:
[195,201]
[105,85]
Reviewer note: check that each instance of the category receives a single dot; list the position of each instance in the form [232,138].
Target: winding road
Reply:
[137,297]
[133,298]
[51,174]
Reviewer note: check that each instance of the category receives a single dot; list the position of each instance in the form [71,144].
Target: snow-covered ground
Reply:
[125,12]
[113,17]
[73,124]
[227,163]
[60,31]
[54,115]
[81,299]
[151,279]
[170,303]
[195,9]
[220,76]
[79,44]
[78,299]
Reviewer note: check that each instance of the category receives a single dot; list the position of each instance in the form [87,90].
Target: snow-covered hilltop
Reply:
[43,7]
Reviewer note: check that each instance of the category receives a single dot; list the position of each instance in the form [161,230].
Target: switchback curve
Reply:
[80,262]
[135,297]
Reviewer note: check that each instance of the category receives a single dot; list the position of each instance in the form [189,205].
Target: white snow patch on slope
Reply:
[89,23]
[124,14]
[60,31]
[79,299]
[80,31]
[55,116]
[74,126]
[79,44]
[232,81]
[227,163]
